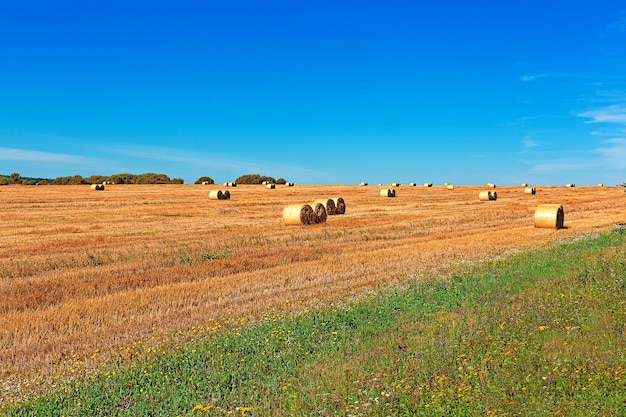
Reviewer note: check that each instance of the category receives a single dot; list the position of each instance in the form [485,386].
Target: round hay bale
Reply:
[450,187]
[530,190]
[600,185]
[491,185]
[363,184]
[487,196]
[570,185]
[270,186]
[216,195]
[97,187]
[412,184]
[550,216]
[299,214]
[340,205]
[395,184]
[428,184]
[290,184]
[524,184]
[329,205]
[320,213]
[387,192]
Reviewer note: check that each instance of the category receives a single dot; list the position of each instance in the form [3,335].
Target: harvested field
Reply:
[84,275]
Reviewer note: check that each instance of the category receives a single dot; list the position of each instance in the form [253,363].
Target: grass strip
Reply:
[540,333]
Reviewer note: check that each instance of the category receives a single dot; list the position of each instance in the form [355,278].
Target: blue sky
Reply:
[316,92]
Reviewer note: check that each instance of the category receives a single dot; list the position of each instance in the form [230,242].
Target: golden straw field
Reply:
[85,274]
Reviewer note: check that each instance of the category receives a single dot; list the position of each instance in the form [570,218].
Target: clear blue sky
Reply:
[458,91]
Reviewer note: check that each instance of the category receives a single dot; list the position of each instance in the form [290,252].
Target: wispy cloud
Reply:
[611,114]
[614,153]
[13,154]
[529,143]
[527,78]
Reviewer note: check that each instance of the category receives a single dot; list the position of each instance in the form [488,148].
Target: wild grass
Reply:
[539,333]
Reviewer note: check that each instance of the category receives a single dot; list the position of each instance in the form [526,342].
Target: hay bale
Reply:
[550,216]
[363,184]
[600,185]
[320,213]
[412,184]
[387,192]
[340,205]
[487,196]
[491,185]
[450,186]
[219,195]
[570,185]
[290,184]
[395,184]
[270,186]
[97,187]
[530,190]
[299,214]
[524,184]
[329,204]
[428,184]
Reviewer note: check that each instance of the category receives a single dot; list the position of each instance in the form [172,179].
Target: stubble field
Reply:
[85,274]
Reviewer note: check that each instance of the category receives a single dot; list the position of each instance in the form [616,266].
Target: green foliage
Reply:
[254,179]
[281,181]
[208,180]
[177,181]
[122,178]
[70,180]
[15,178]
[151,178]
[95,179]
[4,181]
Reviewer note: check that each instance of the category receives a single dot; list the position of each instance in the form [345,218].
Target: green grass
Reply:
[538,334]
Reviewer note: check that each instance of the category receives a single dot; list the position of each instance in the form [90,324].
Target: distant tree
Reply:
[15,178]
[152,178]
[29,182]
[208,180]
[71,180]
[95,179]
[281,181]
[123,178]
[43,182]
[4,181]
[254,179]
[178,181]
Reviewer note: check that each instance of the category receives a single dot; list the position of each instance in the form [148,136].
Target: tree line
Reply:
[148,178]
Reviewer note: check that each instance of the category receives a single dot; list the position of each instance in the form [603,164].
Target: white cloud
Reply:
[614,154]
[527,78]
[611,114]
[12,154]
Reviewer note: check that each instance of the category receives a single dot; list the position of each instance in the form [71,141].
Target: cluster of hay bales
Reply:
[550,216]
[333,206]
[387,192]
[314,213]
[97,187]
[488,196]
[219,195]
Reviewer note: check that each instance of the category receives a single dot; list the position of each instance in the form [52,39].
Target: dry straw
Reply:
[530,190]
[340,205]
[487,196]
[329,204]
[387,192]
[550,216]
[219,195]
[299,214]
[97,187]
